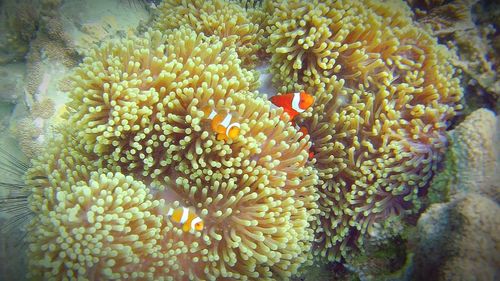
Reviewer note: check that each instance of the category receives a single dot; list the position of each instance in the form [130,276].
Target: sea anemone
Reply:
[136,128]
[239,29]
[102,227]
[385,92]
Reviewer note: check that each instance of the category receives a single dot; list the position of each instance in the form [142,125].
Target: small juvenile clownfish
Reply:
[188,219]
[293,103]
[221,124]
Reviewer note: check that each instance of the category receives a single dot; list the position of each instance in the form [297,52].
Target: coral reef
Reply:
[459,241]
[30,130]
[449,18]
[473,145]
[385,93]
[29,136]
[127,131]
[241,28]
[12,82]
[131,139]
[19,21]
[50,54]
[54,49]
[93,21]
[384,255]
[469,29]
[471,160]
[50,51]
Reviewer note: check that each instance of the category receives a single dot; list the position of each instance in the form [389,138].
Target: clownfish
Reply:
[222,125]
[293,103]
[188,219]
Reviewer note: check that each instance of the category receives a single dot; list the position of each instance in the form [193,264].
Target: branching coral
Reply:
[137,109]
[384,93]
[228,20]
[450,18]
[469,30]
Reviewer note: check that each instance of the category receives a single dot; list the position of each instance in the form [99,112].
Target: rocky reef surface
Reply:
[458,239]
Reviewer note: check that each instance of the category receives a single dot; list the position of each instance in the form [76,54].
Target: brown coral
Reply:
[459,241]
[28,134]
[473,146]
[471,159]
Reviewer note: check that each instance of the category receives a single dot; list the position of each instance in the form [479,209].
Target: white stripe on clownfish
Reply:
[227,120]
[295,103]
[221,124]
[185,214]
[196,221]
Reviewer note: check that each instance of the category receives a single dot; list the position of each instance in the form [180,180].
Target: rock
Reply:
[12,82]
[473,143]
[471,159]
[459,240]
[89,22]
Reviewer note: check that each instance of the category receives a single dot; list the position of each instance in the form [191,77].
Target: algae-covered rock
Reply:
[471,159]
[459,241]
[11,82]
[458,238]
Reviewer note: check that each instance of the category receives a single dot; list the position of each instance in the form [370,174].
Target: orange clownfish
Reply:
[188,219]
[293,103]
[222,125]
